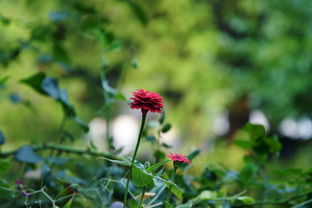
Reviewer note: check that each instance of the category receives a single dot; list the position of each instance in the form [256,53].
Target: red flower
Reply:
[179,158]
[147,101]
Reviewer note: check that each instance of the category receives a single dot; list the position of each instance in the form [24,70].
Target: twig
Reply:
[61,148]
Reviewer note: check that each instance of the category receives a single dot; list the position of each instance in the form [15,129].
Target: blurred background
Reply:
[218,64]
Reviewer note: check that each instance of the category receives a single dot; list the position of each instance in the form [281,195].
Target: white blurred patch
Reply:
[258,117]
[97,133]
[304,126]
[221,124]
[170,137]
[288,127]
[125,132]
[301,129]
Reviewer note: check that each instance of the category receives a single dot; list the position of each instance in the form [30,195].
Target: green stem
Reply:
[173,180]
[60,131]
[142,196]
[134,155]
[65,149]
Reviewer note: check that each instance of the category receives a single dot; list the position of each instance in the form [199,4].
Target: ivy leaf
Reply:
[26,154]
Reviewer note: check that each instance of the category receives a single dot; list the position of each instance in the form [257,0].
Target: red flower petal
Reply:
[147,101]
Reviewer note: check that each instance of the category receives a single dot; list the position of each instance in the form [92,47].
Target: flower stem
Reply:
[134,155]
[142,196]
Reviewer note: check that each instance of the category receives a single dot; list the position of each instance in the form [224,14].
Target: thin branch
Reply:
[61,148]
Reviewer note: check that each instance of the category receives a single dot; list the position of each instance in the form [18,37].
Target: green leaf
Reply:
[2,138]
[255,130]
[174,189]
[156,166]
[134,204]
[245,144]
[69,203]
[246,200]
[119,162]
[4,166]
[3,80]
[26,154]
[162,117]
[193,154]
[166,128]
[50,87]
[139,12]
[207,195]
[168,205]
[35,81]
[141,178]
[186,205]
[107,88]
[134,63]
[273,144]
[248,172]
[82,124]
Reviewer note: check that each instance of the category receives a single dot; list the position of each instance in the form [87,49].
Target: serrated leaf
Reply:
[26,154]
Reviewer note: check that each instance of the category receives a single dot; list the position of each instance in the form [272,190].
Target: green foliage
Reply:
[203,57]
